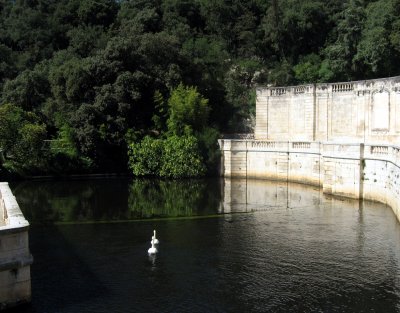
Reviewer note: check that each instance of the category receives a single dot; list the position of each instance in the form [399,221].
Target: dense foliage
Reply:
[173,157]
[178,154]
[94,77]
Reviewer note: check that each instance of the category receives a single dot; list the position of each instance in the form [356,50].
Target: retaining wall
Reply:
[353,170]
[15,258]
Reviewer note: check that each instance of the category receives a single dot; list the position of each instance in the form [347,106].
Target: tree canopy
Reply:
[100,75]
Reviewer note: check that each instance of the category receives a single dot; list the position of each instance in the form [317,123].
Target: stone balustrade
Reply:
[296,90]
[278,91]
[379,150]
[359,111]
[341,87]
[354,170]
[263,144]
[301,145]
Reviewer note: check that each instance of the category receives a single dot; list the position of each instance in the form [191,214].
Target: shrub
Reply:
[145,157]
[182,158]
[174,157]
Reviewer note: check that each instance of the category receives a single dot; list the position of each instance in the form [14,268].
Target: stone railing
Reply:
[295,90]
[278,91]
[358,111]
[301,145]
[301,89]
[263,144]
[341,87]
[361,85]
[383,152]
[15,258]
[379,150]
[354,170]
[334,87]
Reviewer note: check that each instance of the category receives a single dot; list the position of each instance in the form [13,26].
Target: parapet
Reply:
[15,257]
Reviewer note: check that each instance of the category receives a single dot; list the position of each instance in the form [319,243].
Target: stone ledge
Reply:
[15,263]
[16,258]
[345,169]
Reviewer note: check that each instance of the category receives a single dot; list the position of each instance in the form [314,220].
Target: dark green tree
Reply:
[340,55]
[188,111]
[21,137]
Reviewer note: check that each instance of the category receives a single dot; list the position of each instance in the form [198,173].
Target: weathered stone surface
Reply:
[360,111]
[348,170]
[15,258]
[342,137]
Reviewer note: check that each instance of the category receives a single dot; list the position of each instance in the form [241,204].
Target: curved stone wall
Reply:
[15,258]
[340,136]
[353,170]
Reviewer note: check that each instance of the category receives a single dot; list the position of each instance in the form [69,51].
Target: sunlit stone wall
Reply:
[353,170]
[342,137]
[15,258]
[361,111]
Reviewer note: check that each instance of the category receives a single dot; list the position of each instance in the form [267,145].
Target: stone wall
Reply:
[353,170]
[342,137]
[277,160]
[361,111]
[15,258]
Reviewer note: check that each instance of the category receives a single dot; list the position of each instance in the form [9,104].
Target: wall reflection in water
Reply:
[125,199]
[245,195]
[300,251]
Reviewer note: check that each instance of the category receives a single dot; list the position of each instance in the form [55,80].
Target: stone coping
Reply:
[357,82]
[12,218]
[326,143]
[22,261]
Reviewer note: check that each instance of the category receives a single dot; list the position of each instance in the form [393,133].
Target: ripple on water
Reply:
[320,256]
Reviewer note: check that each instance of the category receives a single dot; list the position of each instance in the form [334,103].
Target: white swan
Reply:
[153,249]
[154,239]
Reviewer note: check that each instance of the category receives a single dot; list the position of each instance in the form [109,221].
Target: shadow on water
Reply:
[47,202]
[294,249]
[60,277]
[50,202]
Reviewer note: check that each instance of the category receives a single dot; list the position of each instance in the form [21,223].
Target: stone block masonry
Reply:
[351,170]
[15,258]
[343,137]
[360,111]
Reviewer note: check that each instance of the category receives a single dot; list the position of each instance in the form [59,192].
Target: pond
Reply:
[225,246]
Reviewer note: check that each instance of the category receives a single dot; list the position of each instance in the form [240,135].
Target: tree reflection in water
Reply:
[48,202]
[160,198]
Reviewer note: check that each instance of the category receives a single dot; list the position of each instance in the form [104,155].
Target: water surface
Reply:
[225,246]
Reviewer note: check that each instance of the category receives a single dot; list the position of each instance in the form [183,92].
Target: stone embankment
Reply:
[15,258]
[343,137]
[360,171]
